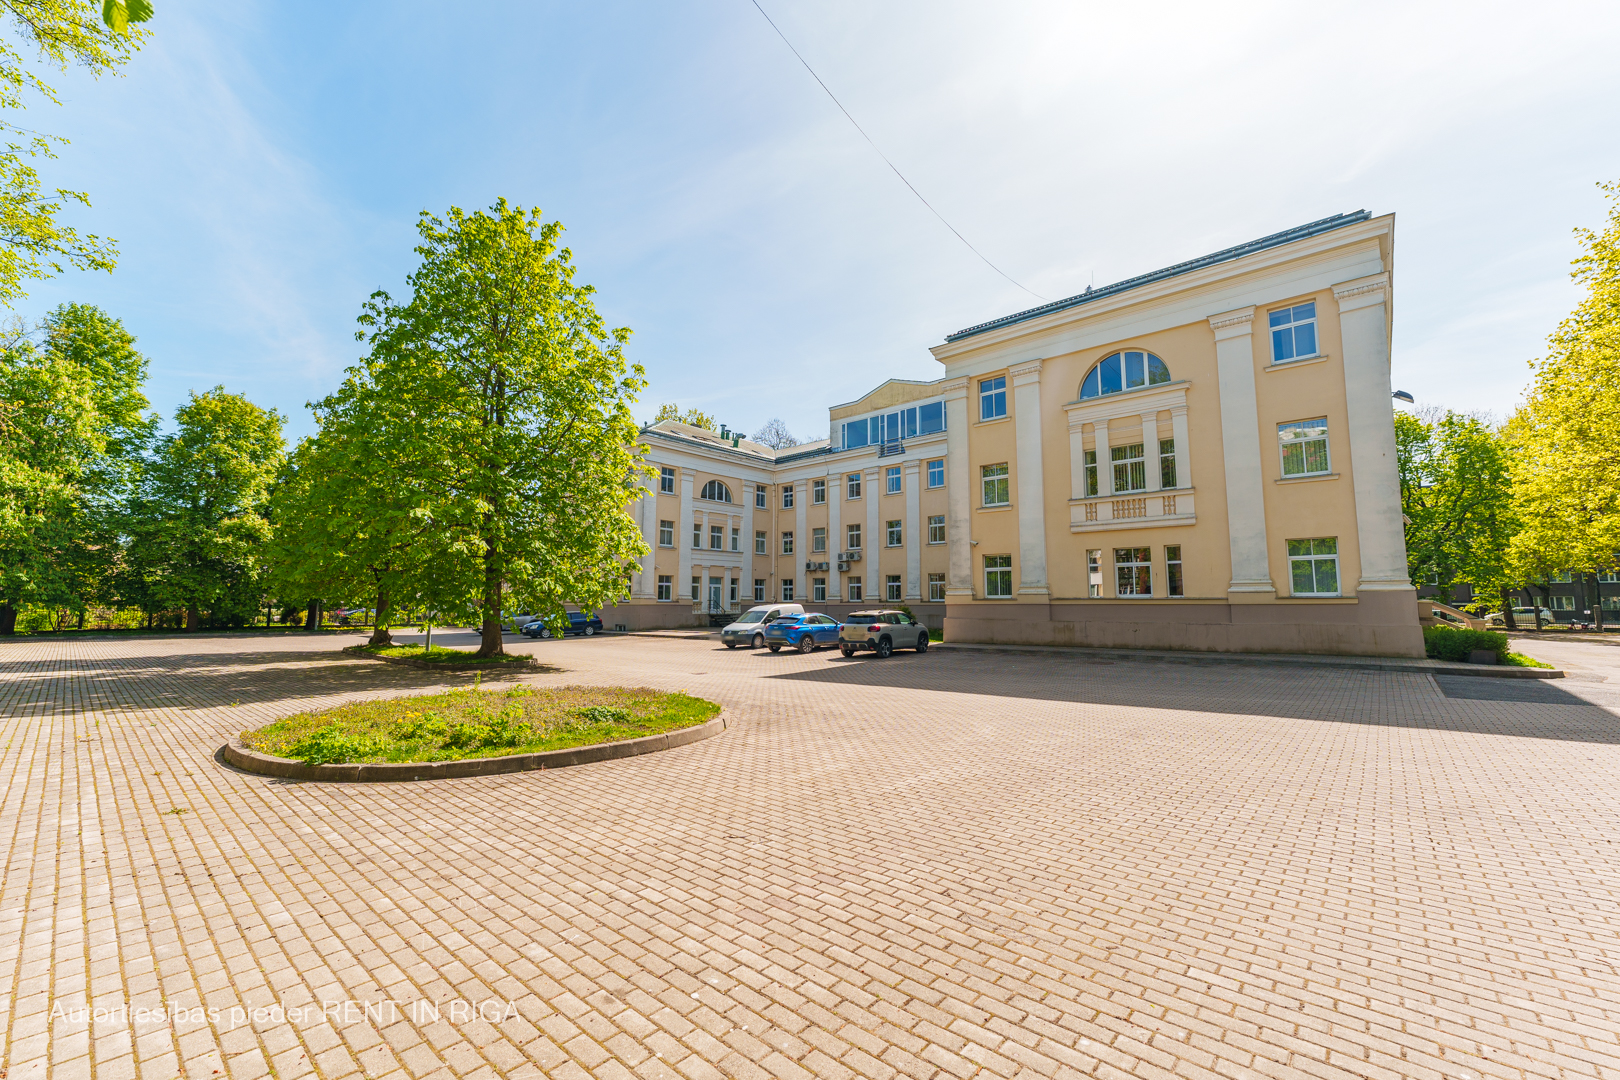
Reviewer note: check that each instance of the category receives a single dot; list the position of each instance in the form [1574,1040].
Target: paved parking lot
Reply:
[958,864]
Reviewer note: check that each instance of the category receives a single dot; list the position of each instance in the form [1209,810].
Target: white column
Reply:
[1364,333]
[1077,457]
[1026,381]
[1150,449]
[1240,449]
[683,541]
[645,586]
[1105,466]
[873,559]
[745,585]
[1178,431]
[801,541]
[958,491]
[835,535]
[914,526]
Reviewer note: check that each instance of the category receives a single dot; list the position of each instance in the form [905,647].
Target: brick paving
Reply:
[952,865]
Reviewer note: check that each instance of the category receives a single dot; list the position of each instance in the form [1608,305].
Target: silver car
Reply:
[749,629]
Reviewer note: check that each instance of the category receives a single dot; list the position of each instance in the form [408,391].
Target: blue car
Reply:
[578,623]
[805,632]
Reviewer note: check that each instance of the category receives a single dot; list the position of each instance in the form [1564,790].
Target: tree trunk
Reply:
[1507,610]
[8,618]
[312,618]
[193,617]
[81,618]
[379,630]
[1597,603]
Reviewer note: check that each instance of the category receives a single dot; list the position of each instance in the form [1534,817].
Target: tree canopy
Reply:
[775,435]
[694,416]
[1455,492]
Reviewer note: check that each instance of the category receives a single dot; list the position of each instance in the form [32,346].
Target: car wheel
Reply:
[807,644]
[847,650]
[884,648]
[589,630]
[731,644]
[759,640]
[545,631]
[922,643]
[776,648]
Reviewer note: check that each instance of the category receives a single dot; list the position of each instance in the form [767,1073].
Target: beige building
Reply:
[1202,458]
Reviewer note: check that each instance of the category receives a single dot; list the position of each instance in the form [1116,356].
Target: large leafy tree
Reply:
[694,416]
[497,403]
[46,36]
[1566,466]
[198,526]
[1457,496]
[73,427]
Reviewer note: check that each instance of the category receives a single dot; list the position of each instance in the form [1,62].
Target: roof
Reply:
[1299,232]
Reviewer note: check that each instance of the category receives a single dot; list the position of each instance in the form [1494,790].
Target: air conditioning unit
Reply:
[843,566]
[853,556]
[823,566]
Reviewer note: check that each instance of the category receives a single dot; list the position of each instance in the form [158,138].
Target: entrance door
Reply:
[715,594]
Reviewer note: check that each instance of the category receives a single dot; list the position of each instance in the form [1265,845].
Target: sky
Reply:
[262,167]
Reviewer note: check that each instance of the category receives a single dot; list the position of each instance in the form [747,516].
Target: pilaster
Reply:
[959,521]
[912,478]
[1031,494]
[1240,450]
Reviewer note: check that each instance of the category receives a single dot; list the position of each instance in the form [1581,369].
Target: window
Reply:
[852,589]
[787,590]
[931,418]
[1130,468]
[666,534]
[1123,371]
[891,480]
[1611,603]
[1094,572]
[717,537]
[1304,448]
[736,539]
[998,577]
[855,434]
[1313,566]
[697,534]
[1167,463]
[818,590]
[1608,577]
[1562,603]
[1293,333]
[936,529]
[666,587]
[1133,571]
[697,587]
[1172,570]
[818,541]
[666,480]
[896,532]
[1091,473]
[854,485]
[936,587]
[1563,577]
[759,590]
[993,397]
[787,496]
[759,543]
[936,473]
[733,590]
[787,543]
[818,491]
[995,485]
[854,533]
[715,491]
[759,496]
[891,585]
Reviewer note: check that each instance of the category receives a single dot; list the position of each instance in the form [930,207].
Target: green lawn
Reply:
[477,723]
[440,655]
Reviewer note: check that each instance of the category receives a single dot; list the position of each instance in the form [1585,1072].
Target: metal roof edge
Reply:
[1298,232]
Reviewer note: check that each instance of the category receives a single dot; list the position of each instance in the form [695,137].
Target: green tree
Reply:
[51,35]
[1457,496]
[198,525]
[1566,468]
[498,390]
[75,427]
[694,416]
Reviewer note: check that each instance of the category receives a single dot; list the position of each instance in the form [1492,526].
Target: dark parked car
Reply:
[805,632]
[882,632]
[578,623]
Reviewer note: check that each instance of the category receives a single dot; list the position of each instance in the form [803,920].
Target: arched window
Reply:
[1123,371]
[717,491]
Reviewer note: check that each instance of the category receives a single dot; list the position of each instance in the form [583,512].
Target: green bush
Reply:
[329,746]
[1447,643]
[603,714]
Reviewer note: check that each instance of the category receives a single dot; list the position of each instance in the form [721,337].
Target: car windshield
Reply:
[751,616]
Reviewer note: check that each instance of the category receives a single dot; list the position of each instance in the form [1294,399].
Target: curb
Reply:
[358,651]
[234,753]
[1410,667]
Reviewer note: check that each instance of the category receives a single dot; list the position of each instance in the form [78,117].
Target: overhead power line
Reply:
[885,157]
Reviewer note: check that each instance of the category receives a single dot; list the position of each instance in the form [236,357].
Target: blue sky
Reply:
[262,167]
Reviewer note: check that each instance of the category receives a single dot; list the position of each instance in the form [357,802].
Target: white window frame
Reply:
[787,496]
[697,588]
[1002,571]
[717,538]
[1094,574]
[666,587]
[818,541]
[936,529]
[787,541]
[714,489]
[762,542]
[892,481]
[1167,465]
[818,590]
[1305,435]
[936,588]
[759,497]
[787,590]
[1314,558]
[852,485]
[1140,559]
[852,533]
[992,398]
[759,590]
[854,591]
[1130,468]
[895,532]
[666,534]
[1291,329]
[818,492]
[736,538]
[1175,574]
[894,589]
[666,480]
[936,467]
[697,536]
[999,483]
